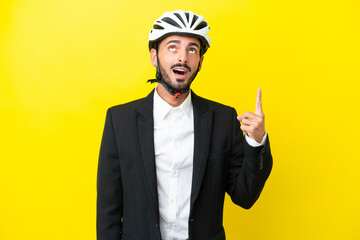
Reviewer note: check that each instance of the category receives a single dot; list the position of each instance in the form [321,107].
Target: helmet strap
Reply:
[167,86]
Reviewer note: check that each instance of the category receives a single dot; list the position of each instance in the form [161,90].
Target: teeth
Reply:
[180,70]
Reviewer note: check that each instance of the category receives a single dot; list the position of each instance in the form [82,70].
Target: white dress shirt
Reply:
[174,151]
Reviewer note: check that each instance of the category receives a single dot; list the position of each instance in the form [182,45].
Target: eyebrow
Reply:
[178,42]
[194,44]
[173,41]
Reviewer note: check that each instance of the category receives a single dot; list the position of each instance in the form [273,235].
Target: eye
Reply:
[192,50]
[172,48]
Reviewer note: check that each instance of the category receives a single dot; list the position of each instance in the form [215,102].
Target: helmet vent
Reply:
[157,26]
[171,22]
[187,16]
[201,26]
[179,17]
[194,20]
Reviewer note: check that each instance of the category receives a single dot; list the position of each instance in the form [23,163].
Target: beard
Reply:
[180,84]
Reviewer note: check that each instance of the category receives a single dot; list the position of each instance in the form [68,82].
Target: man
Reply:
[167,160]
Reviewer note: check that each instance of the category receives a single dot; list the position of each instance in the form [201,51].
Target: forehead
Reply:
[186,40]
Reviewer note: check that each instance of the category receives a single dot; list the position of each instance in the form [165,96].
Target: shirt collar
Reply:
[162,108]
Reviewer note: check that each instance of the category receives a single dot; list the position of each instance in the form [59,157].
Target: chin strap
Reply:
[176,94]
[172,91]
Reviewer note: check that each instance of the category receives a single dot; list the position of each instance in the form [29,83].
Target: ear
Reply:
[153,57]
[200,63]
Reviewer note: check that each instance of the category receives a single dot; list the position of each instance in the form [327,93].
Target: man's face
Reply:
[179,58]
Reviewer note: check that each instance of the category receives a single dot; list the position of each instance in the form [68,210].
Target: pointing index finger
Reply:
[258,109]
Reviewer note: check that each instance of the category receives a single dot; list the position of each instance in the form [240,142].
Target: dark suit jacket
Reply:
[127,198]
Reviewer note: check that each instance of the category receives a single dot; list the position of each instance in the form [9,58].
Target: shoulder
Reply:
[129,110]
[142,105]
[216,107]
[129,106]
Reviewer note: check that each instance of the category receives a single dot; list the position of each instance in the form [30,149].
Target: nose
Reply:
[183,57]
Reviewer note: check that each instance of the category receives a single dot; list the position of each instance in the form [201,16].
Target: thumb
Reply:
[258,109]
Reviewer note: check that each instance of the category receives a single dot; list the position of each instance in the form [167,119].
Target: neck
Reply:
[170,99]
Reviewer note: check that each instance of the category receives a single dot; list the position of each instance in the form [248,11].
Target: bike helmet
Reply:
[182,23]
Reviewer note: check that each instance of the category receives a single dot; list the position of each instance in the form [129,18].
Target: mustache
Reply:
[181,65]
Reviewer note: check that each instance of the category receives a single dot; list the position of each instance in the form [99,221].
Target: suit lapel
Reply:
[145,121]
[202,136]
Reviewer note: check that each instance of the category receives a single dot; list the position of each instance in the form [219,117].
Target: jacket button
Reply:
[156,225]
[191,220]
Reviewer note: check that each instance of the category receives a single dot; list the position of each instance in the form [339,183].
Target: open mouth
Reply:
[180,72]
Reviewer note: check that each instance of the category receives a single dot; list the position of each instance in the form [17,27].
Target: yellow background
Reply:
[63,63]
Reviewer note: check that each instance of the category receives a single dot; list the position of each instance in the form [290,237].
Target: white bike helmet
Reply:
[181,23]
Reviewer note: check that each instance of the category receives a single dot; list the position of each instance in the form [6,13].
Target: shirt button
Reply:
[172,201]
[171,227]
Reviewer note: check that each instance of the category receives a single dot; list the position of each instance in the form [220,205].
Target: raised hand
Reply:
[253,124]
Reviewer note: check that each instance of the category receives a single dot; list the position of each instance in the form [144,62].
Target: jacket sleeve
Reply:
[109,186]
[248,168]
